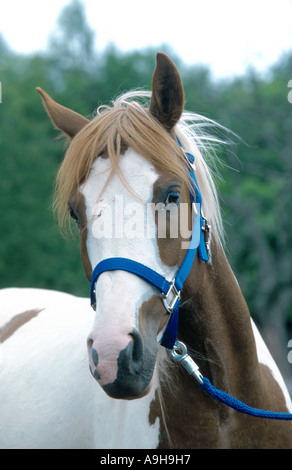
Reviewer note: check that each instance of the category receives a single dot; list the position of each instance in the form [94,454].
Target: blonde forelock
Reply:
[127,123]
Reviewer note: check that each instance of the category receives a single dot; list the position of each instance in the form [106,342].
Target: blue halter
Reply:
[170,290]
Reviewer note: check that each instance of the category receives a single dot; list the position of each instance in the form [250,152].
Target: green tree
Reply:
[256,194]
[72,43]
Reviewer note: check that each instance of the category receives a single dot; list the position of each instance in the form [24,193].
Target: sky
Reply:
[227,35]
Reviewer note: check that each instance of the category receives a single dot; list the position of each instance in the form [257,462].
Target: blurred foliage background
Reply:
[256,173]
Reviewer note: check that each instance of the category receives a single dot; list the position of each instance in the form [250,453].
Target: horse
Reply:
[135,179]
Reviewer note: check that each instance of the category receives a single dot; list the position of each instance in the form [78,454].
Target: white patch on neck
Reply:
[124,424]
[264,357]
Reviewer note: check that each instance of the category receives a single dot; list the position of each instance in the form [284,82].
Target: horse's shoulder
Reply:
[269,369]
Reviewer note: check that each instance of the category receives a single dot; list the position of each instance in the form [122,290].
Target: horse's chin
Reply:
[126,391]
[136,397]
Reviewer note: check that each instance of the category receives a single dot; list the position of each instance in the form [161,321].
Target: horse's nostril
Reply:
[92,352]
[94,355]
[96,375]
[93,359]
[137,351]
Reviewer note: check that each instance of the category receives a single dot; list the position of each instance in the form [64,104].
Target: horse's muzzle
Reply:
[132,369]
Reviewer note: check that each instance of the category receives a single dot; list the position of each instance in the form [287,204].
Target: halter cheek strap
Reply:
[170,290]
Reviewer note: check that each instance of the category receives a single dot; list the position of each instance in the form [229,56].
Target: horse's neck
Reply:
[215,323]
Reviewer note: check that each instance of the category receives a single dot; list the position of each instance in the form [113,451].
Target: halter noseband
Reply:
[170,290]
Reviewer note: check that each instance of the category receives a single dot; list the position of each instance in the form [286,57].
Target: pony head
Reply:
[124,181]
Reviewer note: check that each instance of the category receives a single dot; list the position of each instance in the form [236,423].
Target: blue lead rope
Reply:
[239,405]
[179,354]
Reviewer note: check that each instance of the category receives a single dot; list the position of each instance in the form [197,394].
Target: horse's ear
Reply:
[167,100]
[63,118]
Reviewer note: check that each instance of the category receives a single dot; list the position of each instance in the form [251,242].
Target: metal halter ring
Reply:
[169,304]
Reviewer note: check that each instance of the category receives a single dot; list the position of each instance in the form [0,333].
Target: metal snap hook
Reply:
[179,354]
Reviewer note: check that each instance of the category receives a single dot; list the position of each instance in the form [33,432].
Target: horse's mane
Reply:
[128,123]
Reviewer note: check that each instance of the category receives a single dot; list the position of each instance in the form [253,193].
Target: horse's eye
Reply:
[74,216]
[172,198]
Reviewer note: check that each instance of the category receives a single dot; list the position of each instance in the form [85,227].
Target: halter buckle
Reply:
[206,228]
[169,304]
